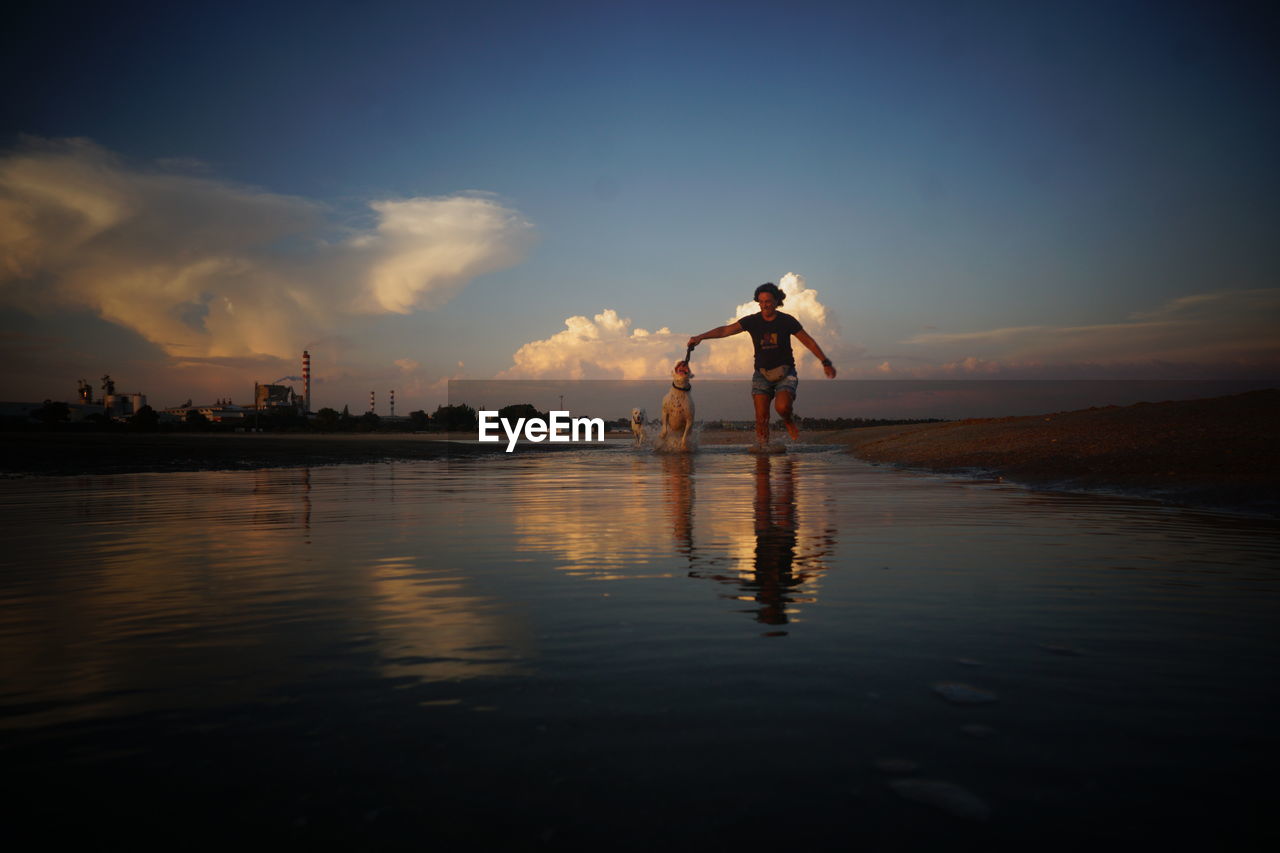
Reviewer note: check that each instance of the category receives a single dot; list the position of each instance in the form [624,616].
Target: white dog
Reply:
[677,406]
[637,425]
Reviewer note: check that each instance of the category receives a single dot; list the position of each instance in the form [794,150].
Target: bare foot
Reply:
[792,430]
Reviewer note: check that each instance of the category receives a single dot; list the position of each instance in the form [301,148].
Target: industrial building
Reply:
[222,411]
[268,398]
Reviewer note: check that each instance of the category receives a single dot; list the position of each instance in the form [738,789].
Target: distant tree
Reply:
[145,419]
[456,418]
[52,412]
[368,422]
[196,419]
[327,419]
[347,422]
[520,410]
[420,420]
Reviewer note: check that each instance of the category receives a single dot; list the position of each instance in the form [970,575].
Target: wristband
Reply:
[826,362]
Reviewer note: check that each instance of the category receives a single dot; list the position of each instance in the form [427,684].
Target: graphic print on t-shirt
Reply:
[769,340]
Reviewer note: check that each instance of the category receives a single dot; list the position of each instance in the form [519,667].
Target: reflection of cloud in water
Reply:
[763,525]
[177,579]
[605,529]
[430,628]
[225,587]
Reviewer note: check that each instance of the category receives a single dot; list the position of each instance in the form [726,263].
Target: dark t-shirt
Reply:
[771,338]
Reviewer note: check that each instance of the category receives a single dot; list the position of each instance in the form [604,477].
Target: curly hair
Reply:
[772,289]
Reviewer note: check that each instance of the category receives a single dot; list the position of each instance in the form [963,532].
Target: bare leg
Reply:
[783,403]
[762,418]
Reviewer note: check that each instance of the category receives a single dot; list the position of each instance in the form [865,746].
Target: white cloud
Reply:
[603,347]
[208,269]
[606,347]
[428,248]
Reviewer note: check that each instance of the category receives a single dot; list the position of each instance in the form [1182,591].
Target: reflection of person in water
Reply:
[781,569]
[775,525]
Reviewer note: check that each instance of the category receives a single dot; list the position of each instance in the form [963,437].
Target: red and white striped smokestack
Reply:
[393,402]
[306,381]
[371,406]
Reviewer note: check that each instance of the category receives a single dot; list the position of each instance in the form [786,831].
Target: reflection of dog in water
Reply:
[677,406]
[677,496]
[637,425]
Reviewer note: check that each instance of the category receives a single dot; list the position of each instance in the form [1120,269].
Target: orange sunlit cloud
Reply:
[206,269]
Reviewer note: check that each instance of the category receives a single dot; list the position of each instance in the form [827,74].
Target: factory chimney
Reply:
[306,382]
[371,406]
[393,402]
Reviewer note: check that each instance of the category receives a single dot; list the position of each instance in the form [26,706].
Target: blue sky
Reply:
[962,189]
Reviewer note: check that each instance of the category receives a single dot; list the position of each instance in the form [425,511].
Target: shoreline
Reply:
[91,454]
[1212,453]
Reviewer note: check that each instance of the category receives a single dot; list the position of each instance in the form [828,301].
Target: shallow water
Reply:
[611,647]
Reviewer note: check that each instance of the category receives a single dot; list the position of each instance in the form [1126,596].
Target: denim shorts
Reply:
[765,388]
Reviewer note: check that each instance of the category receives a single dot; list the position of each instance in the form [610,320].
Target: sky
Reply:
[192,194]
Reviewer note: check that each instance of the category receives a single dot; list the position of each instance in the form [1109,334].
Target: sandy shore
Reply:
[1218,452]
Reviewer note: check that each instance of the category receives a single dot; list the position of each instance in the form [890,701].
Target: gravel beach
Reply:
[1218,452]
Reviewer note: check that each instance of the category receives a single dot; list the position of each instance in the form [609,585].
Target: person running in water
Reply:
[775,365]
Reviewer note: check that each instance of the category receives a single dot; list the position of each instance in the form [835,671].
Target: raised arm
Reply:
[807,339]
[718,332]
